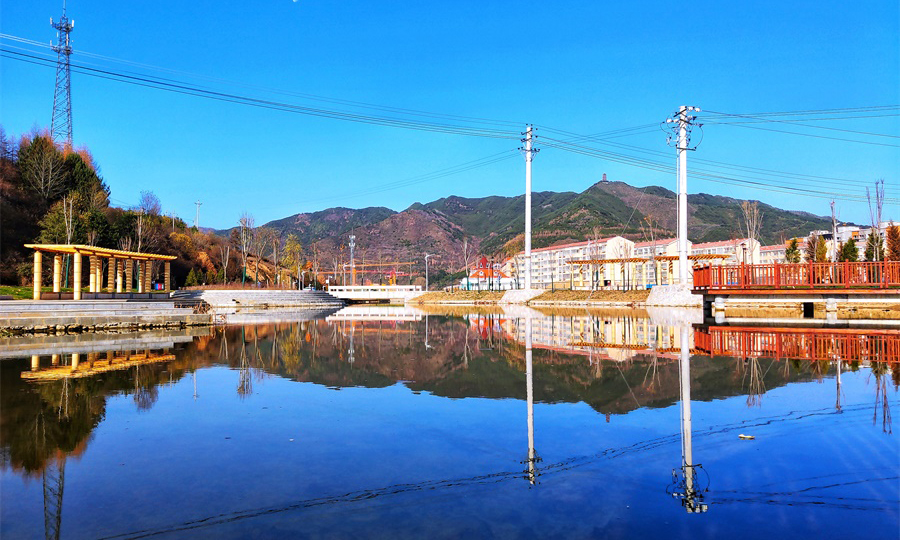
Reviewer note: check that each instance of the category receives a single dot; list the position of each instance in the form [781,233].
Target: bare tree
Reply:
[149,203]
[752,221]
[875,212]
[246,223]
[140,229]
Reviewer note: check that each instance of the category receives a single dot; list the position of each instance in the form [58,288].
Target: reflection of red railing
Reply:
[841,275]
[804,344]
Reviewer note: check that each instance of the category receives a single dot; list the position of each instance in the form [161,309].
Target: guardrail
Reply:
[374,288]
[807,344]
[840,275]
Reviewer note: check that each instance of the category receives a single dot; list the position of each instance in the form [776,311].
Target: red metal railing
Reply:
[807,344]
[840,275]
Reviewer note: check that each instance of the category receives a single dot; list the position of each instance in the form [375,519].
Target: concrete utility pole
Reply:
[352,261]
[529,155]
[426,268]
[197,218]
[684,122]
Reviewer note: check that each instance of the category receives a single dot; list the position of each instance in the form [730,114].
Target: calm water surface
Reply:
[402,425]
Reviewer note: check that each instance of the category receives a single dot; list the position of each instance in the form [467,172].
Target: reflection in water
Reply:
[614,364]
[533,458]
[686,482]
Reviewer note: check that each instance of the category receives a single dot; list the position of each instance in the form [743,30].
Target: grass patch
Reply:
[458,296]
[594,296]
[20,292]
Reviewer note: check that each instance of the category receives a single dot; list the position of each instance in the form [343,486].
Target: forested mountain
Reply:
[55,194]
[494,226]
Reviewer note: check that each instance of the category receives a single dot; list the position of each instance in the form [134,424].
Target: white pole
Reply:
[687,458]
[682,195]
[528,207]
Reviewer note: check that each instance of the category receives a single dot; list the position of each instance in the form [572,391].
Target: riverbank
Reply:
[61,316]
[560,298]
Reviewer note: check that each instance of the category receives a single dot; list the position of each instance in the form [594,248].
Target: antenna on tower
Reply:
[61,122]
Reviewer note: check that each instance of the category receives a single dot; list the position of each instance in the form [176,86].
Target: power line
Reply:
[184,88]
[797,123]
[810,135]
[712,176]
[312,97]
[800,178]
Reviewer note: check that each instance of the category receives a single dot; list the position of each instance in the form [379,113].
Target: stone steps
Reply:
[259,298]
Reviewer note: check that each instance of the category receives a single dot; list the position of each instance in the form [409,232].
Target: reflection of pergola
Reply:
[663,263]
[120,268]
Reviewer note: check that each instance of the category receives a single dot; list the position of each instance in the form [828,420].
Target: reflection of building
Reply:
[614,338]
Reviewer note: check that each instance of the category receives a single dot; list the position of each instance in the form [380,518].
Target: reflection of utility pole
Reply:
[686,489]
[54,477]
[427,346]
[533,458]
[837,403]
[351,351]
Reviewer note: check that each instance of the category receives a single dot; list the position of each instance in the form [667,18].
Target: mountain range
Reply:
[494,226]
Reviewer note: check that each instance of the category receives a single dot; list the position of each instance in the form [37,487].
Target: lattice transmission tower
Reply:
[61,123]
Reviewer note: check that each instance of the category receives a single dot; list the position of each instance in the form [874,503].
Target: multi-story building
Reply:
[772,254]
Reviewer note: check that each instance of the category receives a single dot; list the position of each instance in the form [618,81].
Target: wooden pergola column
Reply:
[110,275]
[57,273]
[129,275]
[92,274]
[119,269]
[76,277]
[168,276]
[37,275]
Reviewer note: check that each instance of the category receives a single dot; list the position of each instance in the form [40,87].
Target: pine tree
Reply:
[849,251]
[191,280]
[893,243]
[792,252]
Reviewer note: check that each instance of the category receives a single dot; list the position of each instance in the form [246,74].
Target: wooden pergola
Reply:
[120,268]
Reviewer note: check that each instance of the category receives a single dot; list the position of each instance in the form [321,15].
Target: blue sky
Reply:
[583,67]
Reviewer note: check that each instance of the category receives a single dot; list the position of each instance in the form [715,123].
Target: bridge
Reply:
[375,293]
[800,278]
[377,313]
[841,288]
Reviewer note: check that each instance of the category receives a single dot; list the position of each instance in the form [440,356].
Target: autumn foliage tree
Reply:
[893,243]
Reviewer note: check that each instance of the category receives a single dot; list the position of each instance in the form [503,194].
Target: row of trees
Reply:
[56,195]
[815,248]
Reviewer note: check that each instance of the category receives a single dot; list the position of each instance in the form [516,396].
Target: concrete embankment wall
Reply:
[260,298]
[26,316]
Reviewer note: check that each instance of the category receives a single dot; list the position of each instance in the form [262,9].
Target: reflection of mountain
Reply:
[462,361]
[41,420]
